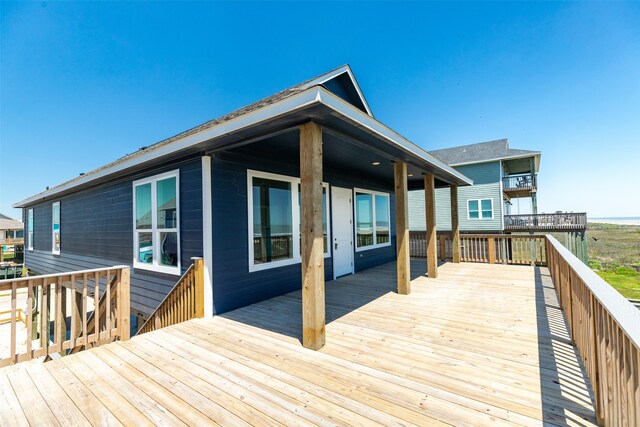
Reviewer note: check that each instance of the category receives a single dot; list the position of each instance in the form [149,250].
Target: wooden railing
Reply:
[605,328]
[519,182]
[184,302]
[48,302]
[489,248]
[12,241]
[546,222]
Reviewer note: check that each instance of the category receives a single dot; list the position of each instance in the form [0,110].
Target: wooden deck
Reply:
[480,345]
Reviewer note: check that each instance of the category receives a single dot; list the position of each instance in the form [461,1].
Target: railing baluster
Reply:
[14,325]
[85,335]
[44,318]
[29,319]
[107,308]
[57,335]
[96,309]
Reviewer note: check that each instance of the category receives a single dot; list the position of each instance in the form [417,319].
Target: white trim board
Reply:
[207,236]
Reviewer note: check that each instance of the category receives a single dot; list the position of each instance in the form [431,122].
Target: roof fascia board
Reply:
[384,132]
[520,156]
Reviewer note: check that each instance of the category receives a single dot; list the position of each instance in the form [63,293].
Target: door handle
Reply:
[336,246]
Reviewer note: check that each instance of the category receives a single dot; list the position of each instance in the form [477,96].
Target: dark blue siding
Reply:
[234,286]
[97,231]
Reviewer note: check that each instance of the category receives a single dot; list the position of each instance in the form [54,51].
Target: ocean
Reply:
[617,219]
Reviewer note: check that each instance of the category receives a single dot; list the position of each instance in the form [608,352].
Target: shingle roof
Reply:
[8,223]
[293,90]
[480,152]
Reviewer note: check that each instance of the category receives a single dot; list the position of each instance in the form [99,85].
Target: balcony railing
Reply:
[605,327]
[44,304]
[520,183]
[11,241]
[546,222]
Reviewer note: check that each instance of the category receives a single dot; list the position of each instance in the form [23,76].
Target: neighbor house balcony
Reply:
[559,221]
[519,185]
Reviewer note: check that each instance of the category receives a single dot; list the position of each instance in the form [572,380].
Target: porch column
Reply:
[402,227]
[312,249]
[430,208]
[455,225]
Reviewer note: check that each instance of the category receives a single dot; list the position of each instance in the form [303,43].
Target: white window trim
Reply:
[30,231]
[480,218]
[53,234]
[373,219]
[155,266]
[295,219]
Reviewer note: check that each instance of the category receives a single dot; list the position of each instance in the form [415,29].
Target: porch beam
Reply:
[455,225]
[402,227]
[312,249]
[430,209]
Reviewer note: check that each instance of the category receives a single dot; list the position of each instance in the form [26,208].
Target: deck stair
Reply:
[184,302]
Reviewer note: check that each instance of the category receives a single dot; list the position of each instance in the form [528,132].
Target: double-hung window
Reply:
[372,219]
[480,208]
[156,236]
[30,229]
[274,220]
[55,228]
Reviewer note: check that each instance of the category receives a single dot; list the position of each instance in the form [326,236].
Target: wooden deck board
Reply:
[480,345]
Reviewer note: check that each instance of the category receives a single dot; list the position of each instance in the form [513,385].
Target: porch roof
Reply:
[309,101]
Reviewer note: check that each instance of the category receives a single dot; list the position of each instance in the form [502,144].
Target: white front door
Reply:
[342,220]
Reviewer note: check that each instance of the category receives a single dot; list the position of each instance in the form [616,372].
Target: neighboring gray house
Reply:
[11,230]
[499,174]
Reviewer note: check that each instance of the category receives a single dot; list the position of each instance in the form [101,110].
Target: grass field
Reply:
[614,253]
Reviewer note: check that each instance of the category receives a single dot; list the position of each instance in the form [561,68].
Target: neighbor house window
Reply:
[156,236]
[372,219]
[30,229]
[480,208]
[55,228]
[274,224]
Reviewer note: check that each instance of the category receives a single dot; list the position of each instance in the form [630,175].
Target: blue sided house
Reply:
[300,187]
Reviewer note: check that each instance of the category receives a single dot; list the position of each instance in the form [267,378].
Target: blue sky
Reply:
[84,83]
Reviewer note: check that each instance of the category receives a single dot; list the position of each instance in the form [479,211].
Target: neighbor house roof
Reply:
[8,223]
[481,152]
[297,97]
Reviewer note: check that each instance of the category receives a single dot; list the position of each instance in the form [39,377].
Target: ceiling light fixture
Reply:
[375,163]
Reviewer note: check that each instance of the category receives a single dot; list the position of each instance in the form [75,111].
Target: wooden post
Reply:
[198,269]
[430,208]
[402,228]
[455,224]
[491,242]
[124,306]
[312,249]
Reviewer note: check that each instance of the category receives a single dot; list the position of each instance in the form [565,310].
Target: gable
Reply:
[345,88]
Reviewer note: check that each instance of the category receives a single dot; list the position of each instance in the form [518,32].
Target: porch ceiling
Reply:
[340,153]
